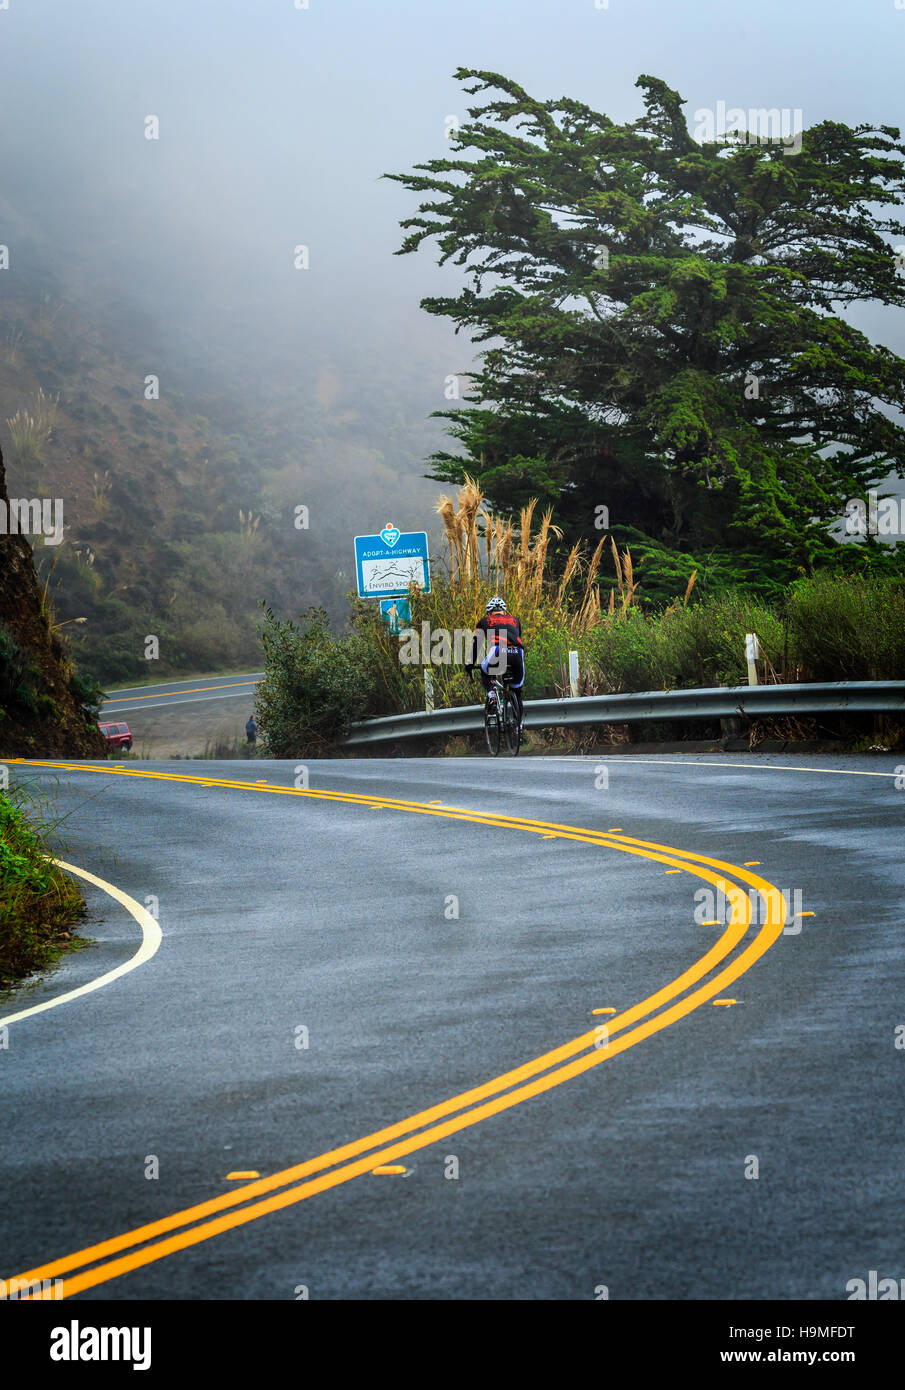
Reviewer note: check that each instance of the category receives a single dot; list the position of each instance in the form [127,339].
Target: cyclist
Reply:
[501,635]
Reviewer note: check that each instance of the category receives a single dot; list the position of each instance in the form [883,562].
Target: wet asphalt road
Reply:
[287,913]
[199,690]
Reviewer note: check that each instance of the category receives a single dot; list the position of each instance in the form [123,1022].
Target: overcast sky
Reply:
[276,122]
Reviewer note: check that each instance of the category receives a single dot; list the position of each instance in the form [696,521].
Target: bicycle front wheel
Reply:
[492,728]
[513,725]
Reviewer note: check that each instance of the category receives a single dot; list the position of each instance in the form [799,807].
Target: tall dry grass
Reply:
[489,554]
[31,430]
[557,601]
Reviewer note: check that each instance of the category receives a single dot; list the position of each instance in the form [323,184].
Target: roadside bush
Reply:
[88,694]
[315,685]
[19,676]
[684,647]
[849,628]
[548,643]
[828,627]
[37,900]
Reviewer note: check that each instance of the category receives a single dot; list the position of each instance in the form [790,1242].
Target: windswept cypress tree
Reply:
[663,330]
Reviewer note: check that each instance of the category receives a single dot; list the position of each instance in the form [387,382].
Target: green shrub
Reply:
[826,628]
[37,900]
[19,677]
[849,628]
[314,686]
[546,656]
[88,694]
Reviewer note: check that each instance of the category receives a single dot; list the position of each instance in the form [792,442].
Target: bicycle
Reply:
[501,718]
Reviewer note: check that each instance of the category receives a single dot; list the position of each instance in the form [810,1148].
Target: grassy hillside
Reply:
[182,512]
[44,706]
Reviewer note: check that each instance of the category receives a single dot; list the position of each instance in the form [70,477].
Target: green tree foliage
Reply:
[663,330]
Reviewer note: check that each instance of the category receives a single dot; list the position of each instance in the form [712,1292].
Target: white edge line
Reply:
[180,687]
[151,937]
[697,762]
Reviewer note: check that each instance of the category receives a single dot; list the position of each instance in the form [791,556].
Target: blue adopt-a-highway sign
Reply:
[386,564]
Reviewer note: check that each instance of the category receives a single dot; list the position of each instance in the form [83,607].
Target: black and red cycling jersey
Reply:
[502,629]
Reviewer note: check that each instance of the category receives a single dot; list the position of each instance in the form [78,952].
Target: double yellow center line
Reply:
[97,1264]
[171,694]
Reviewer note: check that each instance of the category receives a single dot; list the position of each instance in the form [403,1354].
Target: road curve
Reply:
[367,962]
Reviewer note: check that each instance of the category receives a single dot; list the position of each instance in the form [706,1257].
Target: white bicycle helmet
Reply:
[496,605]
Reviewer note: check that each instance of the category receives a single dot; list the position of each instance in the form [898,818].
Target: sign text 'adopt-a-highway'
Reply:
[386,564]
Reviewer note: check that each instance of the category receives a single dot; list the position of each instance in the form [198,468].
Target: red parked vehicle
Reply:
[117,735]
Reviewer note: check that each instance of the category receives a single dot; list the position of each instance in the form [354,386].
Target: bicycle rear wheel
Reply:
[513,724]
[492,727]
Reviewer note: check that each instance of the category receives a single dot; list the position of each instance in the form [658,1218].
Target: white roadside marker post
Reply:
[428,691]
[752,652]
[573,674]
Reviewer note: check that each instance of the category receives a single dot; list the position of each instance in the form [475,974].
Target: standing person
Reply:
[501,632]
[251,729]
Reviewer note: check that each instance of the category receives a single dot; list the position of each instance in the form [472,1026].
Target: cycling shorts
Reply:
[506,662]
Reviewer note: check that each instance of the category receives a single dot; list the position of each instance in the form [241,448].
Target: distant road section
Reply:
[200,688]
[179,718]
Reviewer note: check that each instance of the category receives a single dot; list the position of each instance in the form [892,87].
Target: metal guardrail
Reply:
[720,702]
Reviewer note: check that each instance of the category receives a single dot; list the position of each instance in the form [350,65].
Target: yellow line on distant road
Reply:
[164,694]
[470,1107]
